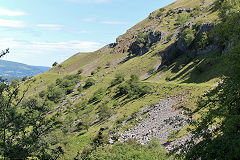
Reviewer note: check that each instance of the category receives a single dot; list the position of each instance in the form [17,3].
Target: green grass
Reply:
[180,77]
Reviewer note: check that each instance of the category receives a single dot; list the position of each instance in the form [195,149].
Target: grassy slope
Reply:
[183,80]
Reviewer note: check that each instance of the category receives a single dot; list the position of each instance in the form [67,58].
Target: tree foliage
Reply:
[25,131]
[182,18]
[215,135]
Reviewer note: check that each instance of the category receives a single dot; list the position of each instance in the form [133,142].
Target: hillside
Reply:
[11,70]
[135,98]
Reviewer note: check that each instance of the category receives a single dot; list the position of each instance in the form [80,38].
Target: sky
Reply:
[40,32]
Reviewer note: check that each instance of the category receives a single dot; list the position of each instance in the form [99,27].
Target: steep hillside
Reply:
[101,101]
[11,70]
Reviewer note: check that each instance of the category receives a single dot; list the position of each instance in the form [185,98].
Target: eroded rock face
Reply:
[140,47]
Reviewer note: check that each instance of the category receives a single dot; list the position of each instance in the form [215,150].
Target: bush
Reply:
[69,90]
[119,78]
[188,36]
[15,82]
[97,96]
[54,93]
[159,14]
[134,78]
[66,83]
[42,93]
[24,78]
[93,73]
[89,82]
[204,41]
[104,112]
[132,89]
[169,37]
[182,18]
[80,88]
[122,90]
[168,78]
[58,81]
[138,90]
[130,150]
[80,71]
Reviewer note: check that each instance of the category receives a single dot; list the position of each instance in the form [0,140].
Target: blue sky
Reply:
[39,32]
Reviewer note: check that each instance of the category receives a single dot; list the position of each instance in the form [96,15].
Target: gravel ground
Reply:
[162,120]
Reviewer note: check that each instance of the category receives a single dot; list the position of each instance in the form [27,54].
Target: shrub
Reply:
[182,18]
[133,90]
[89,82]
[168,78]
[69,90]
[104,112]
[54,93]
[188,36]
[159,14]
[130,150]
[204,41]
[138,90]
[93,73]
[169,37]
[80,71]
[162,9]
[24,78]
[122,90]
[15,82]
[119,78]
[58,81]
[42,93]
[134,78]
[80,88]
[66,83]
[97,96]
[197,10]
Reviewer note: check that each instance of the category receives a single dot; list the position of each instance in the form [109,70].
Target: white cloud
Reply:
[11,23]
[113,22]
[89,20]
[11,13]
[50,26]
[104,22]
[44,53]
[90,1]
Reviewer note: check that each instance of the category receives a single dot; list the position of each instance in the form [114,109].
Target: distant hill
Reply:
[11,70]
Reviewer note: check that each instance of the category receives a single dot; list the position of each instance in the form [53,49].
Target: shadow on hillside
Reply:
[201,67]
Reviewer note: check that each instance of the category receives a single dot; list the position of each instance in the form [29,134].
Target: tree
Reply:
[54,64]
[24,78]
[24,128]
[14,82]
[4,53]
[215,135]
